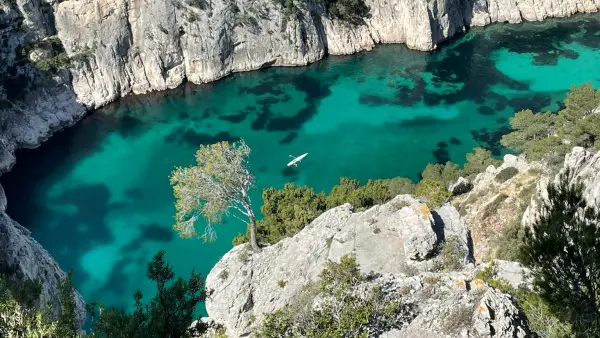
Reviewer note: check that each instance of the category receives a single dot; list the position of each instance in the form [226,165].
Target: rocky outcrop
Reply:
[33,106]
[244,286]
[497,201]
[583,167]
[22,258]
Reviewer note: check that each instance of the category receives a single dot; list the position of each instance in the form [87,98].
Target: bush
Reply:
[491,207]
[506,174]
[451,256]
[351,11]
[287,211]
[563,250]
[399,186]
[510,241]
[478,161]
[239,239]
[446,173]
[434,192]
[342,313]
[343,193]
[18,314]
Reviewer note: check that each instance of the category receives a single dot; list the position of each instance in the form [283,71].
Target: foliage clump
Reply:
[351,11]
[169,314]
[433,192]
[219,183]
[342,313]
[506,174]
[563,250]
[20,316]
[451,256]
[550,136]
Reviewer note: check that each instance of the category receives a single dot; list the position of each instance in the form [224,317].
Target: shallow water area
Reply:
[97,195]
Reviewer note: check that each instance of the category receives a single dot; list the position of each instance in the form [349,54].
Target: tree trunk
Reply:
[253,241]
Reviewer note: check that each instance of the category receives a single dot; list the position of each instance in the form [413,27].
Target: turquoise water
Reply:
[97,195]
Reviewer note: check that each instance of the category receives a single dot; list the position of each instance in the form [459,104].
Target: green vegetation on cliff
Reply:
[550,136]
[342,313]
[19,316]
[563,249]
[169,314]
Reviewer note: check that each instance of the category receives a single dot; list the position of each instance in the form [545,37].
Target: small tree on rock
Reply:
[219,182]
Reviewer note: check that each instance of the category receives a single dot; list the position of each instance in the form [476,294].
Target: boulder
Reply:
[416,229]
[450,224]
[497,316]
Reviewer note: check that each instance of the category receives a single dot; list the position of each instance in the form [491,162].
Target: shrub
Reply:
[506,174]
[18,313]
[239,239]
[243,256]
[221,333]
[399,186]
[342,313]
[351,11]
[441,172]
[343,193]
[431,279]
[451,256]
[434,192]
[281,283]
[286,212]
[509,242]
[478,161]
[562,248]
[224,274]
[491,207]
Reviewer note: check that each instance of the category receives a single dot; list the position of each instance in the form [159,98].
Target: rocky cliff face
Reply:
[33,106]
[22,258]
[496,201]
[399,243]
[144,45]
[583,166]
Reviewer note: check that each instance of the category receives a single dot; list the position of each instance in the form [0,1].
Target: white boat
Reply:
[296,160]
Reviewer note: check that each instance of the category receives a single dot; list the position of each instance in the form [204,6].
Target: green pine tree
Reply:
[563,249]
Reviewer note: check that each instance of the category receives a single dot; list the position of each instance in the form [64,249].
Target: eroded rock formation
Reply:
[245,286]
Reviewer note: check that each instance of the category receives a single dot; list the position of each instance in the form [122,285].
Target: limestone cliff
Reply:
[144,45]
[22,258]
[496,202]
[583,166]
[398,243]
[32,107]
